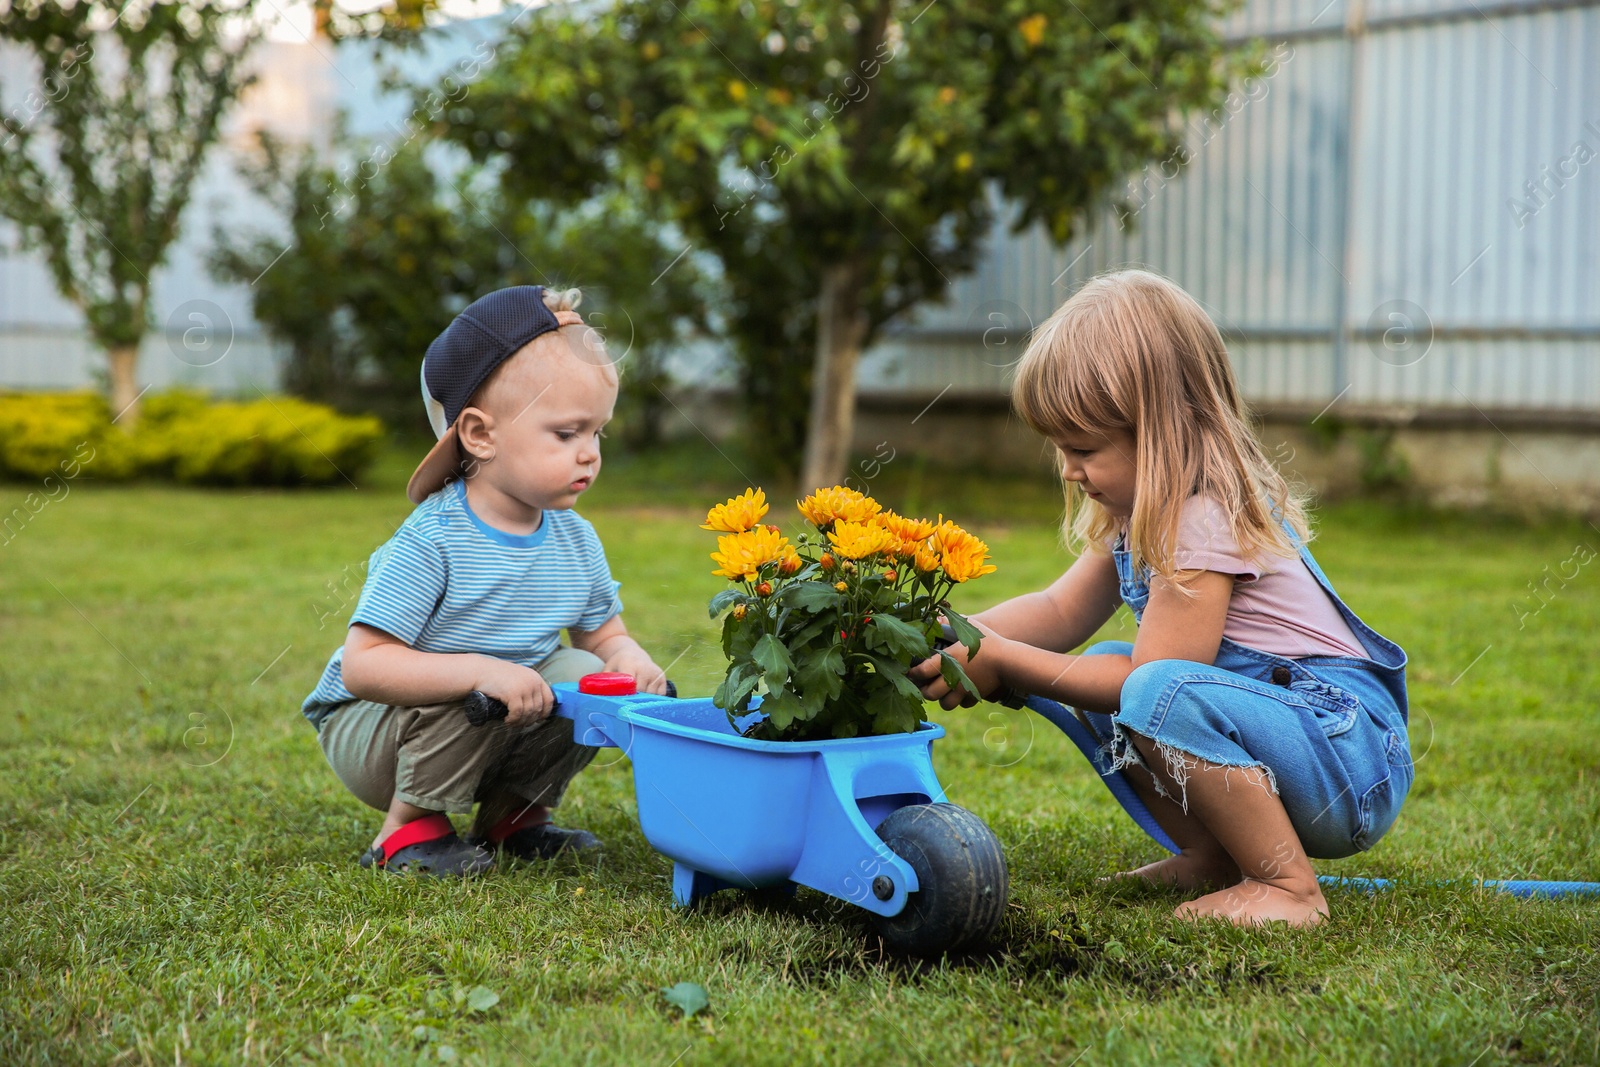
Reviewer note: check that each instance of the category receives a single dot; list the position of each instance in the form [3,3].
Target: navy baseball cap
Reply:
[488,331]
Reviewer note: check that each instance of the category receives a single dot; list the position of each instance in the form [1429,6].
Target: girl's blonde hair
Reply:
[1131,351]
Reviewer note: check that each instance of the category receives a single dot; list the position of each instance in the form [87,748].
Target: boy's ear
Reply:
[475,428]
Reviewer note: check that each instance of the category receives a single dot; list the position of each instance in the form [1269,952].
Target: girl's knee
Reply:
[1152,682]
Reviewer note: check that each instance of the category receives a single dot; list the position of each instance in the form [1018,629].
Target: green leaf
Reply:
[966,633]
[738,637]
[950,669]
[736,687]
[770,655]
[891,674]
[725,600]
[898,637]
[827,622]
[482,998]
[688,997]
[813,596]
[893,715]
[821,675]
[782,708]
[903,685]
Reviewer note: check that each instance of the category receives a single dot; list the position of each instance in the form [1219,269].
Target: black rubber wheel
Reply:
[961,870]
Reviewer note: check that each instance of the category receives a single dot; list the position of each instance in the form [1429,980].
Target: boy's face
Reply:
[547,410]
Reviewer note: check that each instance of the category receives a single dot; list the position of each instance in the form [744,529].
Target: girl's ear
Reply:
[475,428]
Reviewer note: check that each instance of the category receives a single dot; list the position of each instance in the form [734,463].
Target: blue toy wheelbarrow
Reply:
[862,819]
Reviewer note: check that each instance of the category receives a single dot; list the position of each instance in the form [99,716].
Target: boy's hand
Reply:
[630,658]
[621,653]
[524,692]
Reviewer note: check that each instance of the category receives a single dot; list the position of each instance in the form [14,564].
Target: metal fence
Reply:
[1404,212]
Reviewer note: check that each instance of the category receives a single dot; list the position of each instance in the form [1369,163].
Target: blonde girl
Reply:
[1258,718]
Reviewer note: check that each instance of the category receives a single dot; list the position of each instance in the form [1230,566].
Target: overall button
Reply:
[1280,675]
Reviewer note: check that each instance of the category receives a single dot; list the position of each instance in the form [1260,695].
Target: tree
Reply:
[382,256]
[99,163]
[838,156]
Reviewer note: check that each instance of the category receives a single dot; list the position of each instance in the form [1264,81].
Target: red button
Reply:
[608,684]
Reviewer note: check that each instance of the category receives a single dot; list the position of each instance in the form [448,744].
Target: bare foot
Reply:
[1190,869]
[1253,903]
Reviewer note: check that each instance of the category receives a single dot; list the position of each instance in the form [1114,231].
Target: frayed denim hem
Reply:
[1120,753]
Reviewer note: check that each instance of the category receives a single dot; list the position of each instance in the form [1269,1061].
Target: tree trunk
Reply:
[841,324]
[124,360]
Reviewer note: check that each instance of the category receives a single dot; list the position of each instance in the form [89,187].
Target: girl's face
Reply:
[1103,466]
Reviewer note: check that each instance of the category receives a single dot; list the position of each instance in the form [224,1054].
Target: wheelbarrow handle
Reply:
[481,708]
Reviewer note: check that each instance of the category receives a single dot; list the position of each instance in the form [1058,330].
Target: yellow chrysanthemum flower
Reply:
[903,528]
[926,559]
[743,554]
[738,514]
[909,534]
[858,540]
[961,554]
[838,504]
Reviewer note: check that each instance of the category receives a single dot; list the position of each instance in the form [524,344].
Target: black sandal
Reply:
[428,845]
[547,841]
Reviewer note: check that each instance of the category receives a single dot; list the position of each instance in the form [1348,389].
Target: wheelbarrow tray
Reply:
[731,811]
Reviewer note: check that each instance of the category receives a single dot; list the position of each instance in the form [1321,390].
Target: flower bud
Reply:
[841,586]
[764,589]
[739,611]
[826,562]
[890,576]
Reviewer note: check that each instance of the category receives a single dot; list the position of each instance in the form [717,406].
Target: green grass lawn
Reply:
[177,863]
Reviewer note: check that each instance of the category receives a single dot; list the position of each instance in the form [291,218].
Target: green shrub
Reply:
[59,433]
[183,436]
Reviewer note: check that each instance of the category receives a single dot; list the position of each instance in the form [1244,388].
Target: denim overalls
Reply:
[1328,732]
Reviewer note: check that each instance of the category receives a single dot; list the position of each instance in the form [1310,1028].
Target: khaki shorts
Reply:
[432,757]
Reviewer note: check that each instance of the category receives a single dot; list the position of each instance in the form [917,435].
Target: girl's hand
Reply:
[527,696]
[984,669]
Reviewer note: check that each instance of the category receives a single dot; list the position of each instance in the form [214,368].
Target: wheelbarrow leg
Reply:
[690,887]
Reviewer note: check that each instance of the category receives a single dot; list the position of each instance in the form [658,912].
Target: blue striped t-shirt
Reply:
[449,582]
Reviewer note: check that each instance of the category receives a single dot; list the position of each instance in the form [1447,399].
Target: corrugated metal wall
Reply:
[1360,222]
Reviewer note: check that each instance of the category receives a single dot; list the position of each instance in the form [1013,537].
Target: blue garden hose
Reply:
[1068,723]
[1526,890]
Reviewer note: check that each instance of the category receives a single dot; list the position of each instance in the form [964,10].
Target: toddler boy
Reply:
[472,592]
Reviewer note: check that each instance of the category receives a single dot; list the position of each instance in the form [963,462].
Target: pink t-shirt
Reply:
[1278,605]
